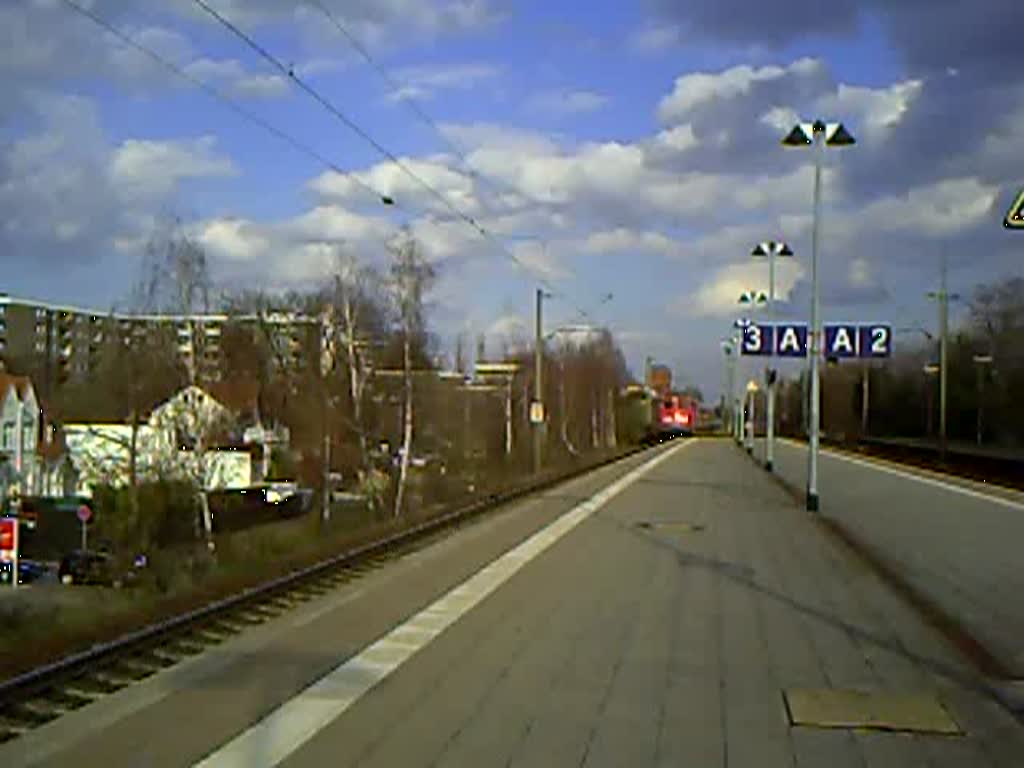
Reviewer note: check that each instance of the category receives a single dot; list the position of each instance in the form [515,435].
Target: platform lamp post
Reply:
[752,299]
[729,352]
[817,135]
[771,250]
[740,325]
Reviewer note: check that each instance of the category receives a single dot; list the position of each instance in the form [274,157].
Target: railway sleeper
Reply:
[41,710]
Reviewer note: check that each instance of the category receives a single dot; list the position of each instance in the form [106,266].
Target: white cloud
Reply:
[568,102]
[153,168]
[492,137]
[935,210]
[782,119]
[508,326]
[699,88]
[678,138]
[720,295]
[874,110]
[403,184]
[624,240]
[231,73]
[424,82]
[540,260]
[234,239]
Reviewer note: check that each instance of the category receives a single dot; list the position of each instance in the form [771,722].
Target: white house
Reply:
[31,460]
[166,446]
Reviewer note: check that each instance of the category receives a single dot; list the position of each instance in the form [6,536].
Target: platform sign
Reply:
[791,340]
[875,340]
[758,339]
[536,412]
[842,340]
[9,549]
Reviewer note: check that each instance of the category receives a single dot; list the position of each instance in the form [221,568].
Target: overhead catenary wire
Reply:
[228,101]
[381,149]
[254,118]
[413,105]
[398,86]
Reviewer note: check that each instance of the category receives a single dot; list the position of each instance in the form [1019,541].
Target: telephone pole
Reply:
[538,386]
[942,296]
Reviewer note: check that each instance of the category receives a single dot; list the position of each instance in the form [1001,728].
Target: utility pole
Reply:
[865,391]
[942,297]
[538,418]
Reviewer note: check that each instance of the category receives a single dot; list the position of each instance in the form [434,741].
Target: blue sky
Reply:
[636,144]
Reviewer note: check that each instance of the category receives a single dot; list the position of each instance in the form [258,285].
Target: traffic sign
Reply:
[841,340]
[1015,216]
[84,513]
[791,340]
[758,339]
[876,340]
[8,538]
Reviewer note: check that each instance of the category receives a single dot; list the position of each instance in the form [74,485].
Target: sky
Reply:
[590,148]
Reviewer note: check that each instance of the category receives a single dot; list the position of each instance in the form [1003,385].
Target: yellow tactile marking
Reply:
[879,710]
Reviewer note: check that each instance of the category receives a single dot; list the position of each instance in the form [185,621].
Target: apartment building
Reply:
[62,343]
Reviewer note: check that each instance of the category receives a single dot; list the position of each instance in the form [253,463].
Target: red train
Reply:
[675,415]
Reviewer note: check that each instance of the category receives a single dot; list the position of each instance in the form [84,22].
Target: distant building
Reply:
[31,458]
[164,446]
[660,379]
[62,343]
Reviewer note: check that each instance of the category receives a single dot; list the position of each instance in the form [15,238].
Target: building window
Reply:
[8,435]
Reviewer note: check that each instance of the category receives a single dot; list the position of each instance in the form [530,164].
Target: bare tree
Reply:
[354,303]
[411,278]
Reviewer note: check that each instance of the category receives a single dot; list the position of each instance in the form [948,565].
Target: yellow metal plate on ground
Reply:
[879,710]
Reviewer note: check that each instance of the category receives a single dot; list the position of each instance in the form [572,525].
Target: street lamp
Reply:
[751,399]
[754,298]
[772,250]
[817,135]
[729,351]
[740,324]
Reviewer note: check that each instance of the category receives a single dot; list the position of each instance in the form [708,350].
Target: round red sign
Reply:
[84,513]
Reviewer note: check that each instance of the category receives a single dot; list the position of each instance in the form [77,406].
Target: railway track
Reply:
[46,693]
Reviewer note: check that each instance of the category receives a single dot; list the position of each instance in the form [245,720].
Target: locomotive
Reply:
[646,416]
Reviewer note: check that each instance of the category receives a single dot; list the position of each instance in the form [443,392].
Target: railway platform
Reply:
[677,608]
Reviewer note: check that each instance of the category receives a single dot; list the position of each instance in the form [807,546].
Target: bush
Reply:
[166,516]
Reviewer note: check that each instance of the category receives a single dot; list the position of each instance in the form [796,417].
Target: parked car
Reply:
[99,567]
[30,571]
[86,567]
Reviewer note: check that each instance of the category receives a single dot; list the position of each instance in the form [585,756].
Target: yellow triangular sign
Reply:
[1015,216]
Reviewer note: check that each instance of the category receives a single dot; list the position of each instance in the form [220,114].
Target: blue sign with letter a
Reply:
[842,340]
[876,340]
[791,340]
[757,339]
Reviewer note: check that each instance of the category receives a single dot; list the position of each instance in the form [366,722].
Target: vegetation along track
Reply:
[34,698]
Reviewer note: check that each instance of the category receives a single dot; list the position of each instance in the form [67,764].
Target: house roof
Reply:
[21,384]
